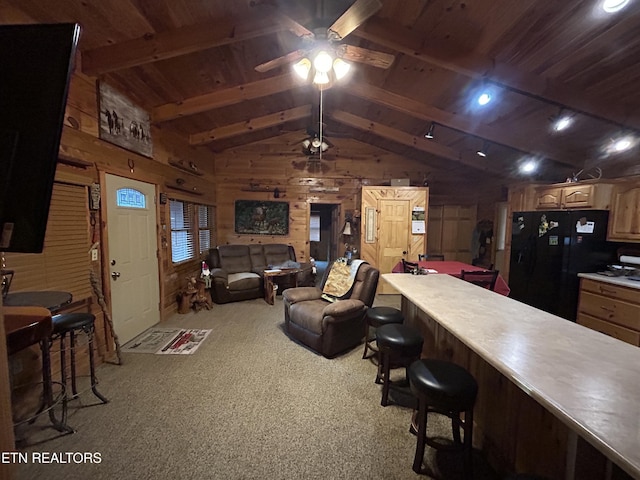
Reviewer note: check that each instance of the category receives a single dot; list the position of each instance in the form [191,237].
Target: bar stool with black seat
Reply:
[375,318]
[72,324]
[27,326]
[398,345]
[449,389]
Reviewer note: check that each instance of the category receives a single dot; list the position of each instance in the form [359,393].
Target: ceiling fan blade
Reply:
[283,60]
[355,16]
[294,26]
[364,55]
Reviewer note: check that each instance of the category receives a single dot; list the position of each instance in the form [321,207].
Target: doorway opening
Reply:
[324,231]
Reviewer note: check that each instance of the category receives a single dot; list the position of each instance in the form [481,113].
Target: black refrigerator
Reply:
[549,249]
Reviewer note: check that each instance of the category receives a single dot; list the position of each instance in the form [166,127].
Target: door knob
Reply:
[115,275]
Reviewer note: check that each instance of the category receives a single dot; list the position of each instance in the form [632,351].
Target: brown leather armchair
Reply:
[327,327]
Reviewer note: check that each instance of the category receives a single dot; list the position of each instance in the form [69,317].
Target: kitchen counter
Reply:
[622,281]
[586,381]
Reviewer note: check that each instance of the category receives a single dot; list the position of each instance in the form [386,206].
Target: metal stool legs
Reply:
[89,331]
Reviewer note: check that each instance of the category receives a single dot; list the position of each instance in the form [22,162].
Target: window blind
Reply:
[182,247]
[64,262]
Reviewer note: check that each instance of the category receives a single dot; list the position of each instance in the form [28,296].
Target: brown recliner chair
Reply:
[327,327]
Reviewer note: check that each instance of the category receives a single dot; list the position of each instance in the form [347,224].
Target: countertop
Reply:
[587,380]
[622,281]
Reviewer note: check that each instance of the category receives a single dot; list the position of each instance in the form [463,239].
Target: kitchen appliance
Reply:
[549,249]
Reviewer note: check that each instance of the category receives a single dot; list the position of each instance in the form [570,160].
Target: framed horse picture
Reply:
[123,123]
[255,217]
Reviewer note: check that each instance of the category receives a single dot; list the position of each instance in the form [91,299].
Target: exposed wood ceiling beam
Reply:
[224,98]
[418,143]
[476,65]
[258,123]
[181,41]
[441,117]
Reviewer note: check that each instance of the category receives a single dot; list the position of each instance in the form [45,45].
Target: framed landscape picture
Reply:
[256,217]
[123,123]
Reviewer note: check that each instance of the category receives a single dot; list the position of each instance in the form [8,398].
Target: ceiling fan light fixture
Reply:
[316,143]
[321,78]
[302,68]
[340,68]
[306,143]
[323,62]
[324,146]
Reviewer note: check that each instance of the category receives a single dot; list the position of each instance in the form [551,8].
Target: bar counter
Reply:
[576,400]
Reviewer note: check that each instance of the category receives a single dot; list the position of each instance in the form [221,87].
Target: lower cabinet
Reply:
[611,309]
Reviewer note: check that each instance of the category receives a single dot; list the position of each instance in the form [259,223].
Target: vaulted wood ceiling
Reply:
[191,63]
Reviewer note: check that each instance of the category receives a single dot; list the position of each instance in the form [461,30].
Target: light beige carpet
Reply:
[250,404]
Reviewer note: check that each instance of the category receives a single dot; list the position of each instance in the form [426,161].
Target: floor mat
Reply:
[167,341]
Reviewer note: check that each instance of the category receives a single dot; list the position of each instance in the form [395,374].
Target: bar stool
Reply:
[449,389]
[398,345]
[26,326]
[73,323]
[376,317]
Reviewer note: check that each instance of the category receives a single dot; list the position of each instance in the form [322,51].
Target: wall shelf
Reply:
[186,168]
[182,188]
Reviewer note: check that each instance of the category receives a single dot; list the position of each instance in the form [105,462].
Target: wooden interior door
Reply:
[395,228]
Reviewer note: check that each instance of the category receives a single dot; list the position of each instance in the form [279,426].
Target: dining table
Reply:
[454,268]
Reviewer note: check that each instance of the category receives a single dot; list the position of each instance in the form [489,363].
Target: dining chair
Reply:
[431,257]
[409,267]
[484,278]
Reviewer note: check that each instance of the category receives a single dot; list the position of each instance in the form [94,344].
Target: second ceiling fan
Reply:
[329,42]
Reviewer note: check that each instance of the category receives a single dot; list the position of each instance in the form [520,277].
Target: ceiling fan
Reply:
[316,143]
[330,40]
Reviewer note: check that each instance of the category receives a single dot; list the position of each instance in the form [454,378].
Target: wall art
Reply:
[256,217]
[123,123]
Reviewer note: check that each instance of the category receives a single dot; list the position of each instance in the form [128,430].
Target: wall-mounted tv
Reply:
[36,62]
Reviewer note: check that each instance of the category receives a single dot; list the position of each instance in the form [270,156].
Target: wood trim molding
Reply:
[224,98]
[251,125]
[153,47]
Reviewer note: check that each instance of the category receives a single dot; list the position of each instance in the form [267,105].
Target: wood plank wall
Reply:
[252,172]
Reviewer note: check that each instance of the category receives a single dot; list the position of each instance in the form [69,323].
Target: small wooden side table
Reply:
[270,286]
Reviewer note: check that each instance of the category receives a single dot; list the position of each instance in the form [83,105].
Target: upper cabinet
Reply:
[624,218]
[583,195]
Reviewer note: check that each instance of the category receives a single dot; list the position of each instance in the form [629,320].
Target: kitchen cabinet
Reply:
[581,195]
[610,308]
[624,218]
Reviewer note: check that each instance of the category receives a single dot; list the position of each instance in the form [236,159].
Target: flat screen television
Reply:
[36,62]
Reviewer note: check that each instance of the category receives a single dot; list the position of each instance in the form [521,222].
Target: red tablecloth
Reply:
[454,268]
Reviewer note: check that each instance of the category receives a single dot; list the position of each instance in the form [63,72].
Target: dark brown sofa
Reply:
[237,270]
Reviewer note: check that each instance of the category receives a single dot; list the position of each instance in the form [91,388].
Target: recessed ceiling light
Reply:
[529,166]
[484,98]
[622,144]
[612,6]
[562,123]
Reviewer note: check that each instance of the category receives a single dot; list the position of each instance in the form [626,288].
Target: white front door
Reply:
[132,259]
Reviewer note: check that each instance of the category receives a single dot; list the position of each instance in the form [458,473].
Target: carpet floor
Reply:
[249,404]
